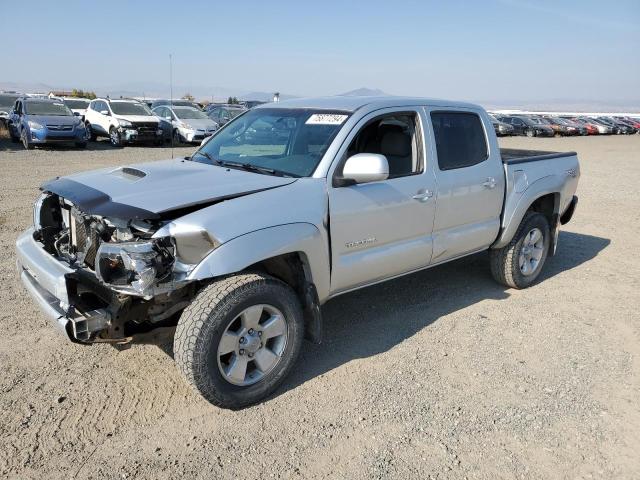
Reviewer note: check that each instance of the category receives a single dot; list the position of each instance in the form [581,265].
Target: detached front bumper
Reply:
[47,281]
[133,135]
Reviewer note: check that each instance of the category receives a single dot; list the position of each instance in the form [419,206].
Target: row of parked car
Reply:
[550,126]
[37,120]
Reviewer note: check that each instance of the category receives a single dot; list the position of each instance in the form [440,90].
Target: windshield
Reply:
[129,108]
[186,113]
[77,104]
[175,103]
[539,121]
[7,101]
[226,113]
[291,141]
[46,108]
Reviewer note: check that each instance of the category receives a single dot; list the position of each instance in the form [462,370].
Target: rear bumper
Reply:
[45,278]
[568,213]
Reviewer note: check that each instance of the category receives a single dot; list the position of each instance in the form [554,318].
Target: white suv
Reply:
[123,121]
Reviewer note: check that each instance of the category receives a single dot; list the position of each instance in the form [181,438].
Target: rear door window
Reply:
[460,139]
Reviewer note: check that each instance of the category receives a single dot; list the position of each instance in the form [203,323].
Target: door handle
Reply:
[423,196]
[490,183]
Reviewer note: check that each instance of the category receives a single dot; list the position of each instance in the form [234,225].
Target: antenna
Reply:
[171,96]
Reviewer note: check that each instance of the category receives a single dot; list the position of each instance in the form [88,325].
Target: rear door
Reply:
[470,183]
[382,229]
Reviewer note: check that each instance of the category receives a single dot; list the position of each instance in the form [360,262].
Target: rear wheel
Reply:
[519,263]
[239,339]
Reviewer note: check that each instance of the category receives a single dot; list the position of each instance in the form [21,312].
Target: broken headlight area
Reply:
[135,268]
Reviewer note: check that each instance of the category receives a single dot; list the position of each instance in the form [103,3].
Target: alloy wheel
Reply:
[252,345]
[531,252]
[114,137]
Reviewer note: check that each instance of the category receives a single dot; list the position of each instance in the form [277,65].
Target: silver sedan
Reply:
[185,124]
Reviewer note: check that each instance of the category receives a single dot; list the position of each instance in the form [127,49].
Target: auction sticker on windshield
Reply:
[326,119]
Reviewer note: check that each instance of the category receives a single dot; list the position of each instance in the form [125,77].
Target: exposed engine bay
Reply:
[120,271]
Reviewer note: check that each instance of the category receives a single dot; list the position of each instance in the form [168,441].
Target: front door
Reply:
[382,229]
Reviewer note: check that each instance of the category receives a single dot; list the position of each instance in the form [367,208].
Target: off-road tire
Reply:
[504,261]
[204,321]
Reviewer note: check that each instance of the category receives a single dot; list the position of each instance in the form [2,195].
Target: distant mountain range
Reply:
[364,92]
[221,94]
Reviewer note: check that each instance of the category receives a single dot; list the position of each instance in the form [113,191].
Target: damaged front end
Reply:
[113,281]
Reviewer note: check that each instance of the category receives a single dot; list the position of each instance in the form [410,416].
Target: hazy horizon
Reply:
[499,51]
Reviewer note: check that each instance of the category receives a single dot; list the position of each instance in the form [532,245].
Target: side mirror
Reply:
[104,112]
[364,168]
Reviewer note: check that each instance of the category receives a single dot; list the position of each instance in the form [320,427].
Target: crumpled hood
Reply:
[152,190]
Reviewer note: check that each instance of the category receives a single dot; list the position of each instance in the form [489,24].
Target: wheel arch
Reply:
[543,197]
[294,253]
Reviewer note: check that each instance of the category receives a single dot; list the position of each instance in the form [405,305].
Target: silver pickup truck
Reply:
[233,250]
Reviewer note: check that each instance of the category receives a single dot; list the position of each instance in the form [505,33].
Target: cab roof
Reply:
[351,104]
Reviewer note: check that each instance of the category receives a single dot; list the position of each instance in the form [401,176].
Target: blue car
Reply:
[41,121]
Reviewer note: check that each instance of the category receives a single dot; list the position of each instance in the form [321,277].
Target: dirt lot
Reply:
[442,374]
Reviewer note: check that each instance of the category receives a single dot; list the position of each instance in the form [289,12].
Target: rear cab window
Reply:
[460,139]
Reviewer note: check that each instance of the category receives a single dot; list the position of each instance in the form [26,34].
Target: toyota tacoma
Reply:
[232,251]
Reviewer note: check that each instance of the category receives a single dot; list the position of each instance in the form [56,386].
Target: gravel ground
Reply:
[441,374]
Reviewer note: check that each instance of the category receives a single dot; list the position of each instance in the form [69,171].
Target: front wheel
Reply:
[25,140]
[530,133]
[519,263]
[239,339]
[114,137]
[90,136]
[177,138]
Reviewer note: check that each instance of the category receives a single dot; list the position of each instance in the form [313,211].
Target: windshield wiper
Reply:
[256,168]
[208,157]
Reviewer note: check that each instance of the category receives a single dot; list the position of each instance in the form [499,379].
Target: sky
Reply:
[488,51]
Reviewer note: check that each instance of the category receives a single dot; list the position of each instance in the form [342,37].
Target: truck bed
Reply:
[514,156]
